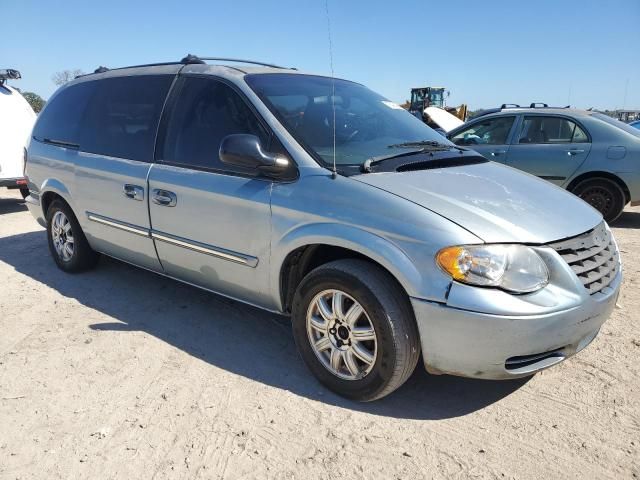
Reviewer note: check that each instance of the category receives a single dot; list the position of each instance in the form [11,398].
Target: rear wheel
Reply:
[67,243]
[24,192]
[604,195]
[355,330]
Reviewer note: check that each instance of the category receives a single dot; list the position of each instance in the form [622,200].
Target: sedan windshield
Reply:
[367,125]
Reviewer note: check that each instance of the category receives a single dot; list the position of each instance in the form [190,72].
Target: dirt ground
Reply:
[120,373]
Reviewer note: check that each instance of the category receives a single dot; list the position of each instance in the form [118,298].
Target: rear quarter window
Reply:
[122,117]
[61,119]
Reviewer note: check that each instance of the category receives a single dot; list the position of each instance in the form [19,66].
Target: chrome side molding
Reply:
[127,227]
[205,248]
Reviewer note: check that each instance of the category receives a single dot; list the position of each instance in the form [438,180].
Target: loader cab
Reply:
[424,97]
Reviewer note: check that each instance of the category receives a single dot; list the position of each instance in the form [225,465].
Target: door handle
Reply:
[134,192]
[496,153]
[164,198]
[574,151]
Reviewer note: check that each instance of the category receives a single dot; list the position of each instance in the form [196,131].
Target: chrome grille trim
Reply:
[593,257]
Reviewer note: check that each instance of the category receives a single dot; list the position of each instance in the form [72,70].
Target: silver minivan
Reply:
[317,198]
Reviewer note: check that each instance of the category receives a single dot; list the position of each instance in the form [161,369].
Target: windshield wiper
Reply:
[422,147]
[422,143]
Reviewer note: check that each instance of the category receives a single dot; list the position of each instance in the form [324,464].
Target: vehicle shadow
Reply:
[627,220]
[11,205]
[230,335]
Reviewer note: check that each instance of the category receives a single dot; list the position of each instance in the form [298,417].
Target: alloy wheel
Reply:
[62,236]
[341,334]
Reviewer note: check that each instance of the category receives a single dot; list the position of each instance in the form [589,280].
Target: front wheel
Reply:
[354,328]
[604,195]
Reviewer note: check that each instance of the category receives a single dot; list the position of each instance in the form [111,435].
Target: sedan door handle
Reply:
[134,192]
[574,151]
[164,198]
[496,153]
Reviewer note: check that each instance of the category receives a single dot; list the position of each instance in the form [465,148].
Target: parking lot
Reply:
[120,373]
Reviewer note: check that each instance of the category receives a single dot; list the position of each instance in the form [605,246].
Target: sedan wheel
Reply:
[602,194]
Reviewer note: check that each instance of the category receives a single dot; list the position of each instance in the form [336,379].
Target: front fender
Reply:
[353,238]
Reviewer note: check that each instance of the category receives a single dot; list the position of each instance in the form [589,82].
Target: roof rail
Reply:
[238,60]
[509,105]
[102,69]
[486,111]
[189,59]
[538,105]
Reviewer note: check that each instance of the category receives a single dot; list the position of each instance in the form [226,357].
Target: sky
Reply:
[578,52]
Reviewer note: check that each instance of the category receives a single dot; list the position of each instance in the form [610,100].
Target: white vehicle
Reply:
[16,121]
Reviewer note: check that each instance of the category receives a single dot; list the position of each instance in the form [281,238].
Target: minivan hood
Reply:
[494,202]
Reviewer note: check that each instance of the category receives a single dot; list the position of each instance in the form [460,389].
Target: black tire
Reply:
[83,256]
[604,195]
[389,312]
[24,192]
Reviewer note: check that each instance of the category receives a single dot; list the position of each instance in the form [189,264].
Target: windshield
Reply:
[436,98]
[617,123]
[417,99]
[367,124]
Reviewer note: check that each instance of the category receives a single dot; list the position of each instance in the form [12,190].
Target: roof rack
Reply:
[189,59]
[531,105]
[506,106]
[233,60]
[9,74]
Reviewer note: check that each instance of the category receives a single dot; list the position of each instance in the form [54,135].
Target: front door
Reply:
[116,147]
[550,147]
[489,137]
[211,223]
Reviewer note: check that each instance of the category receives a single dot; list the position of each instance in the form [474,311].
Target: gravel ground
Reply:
[120,373]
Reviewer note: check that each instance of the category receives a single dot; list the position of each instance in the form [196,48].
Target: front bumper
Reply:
[481,345]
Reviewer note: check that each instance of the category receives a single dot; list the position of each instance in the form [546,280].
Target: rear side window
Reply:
[540,129]
[61,119]
[206,111]
[123,115]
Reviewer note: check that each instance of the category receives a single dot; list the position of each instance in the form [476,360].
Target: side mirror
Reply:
[244,150]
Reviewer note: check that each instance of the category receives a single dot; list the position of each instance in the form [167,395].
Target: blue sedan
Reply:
[588,153]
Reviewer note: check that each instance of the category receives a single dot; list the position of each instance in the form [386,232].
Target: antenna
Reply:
[624,101]
[333,88]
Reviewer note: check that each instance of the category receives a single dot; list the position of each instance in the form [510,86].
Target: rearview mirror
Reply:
[243,150]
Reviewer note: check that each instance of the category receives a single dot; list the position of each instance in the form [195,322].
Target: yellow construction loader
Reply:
[424,97]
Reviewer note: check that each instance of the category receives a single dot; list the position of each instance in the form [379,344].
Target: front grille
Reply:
[593,257]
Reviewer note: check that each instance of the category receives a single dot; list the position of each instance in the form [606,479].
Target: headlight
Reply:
[516,268]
